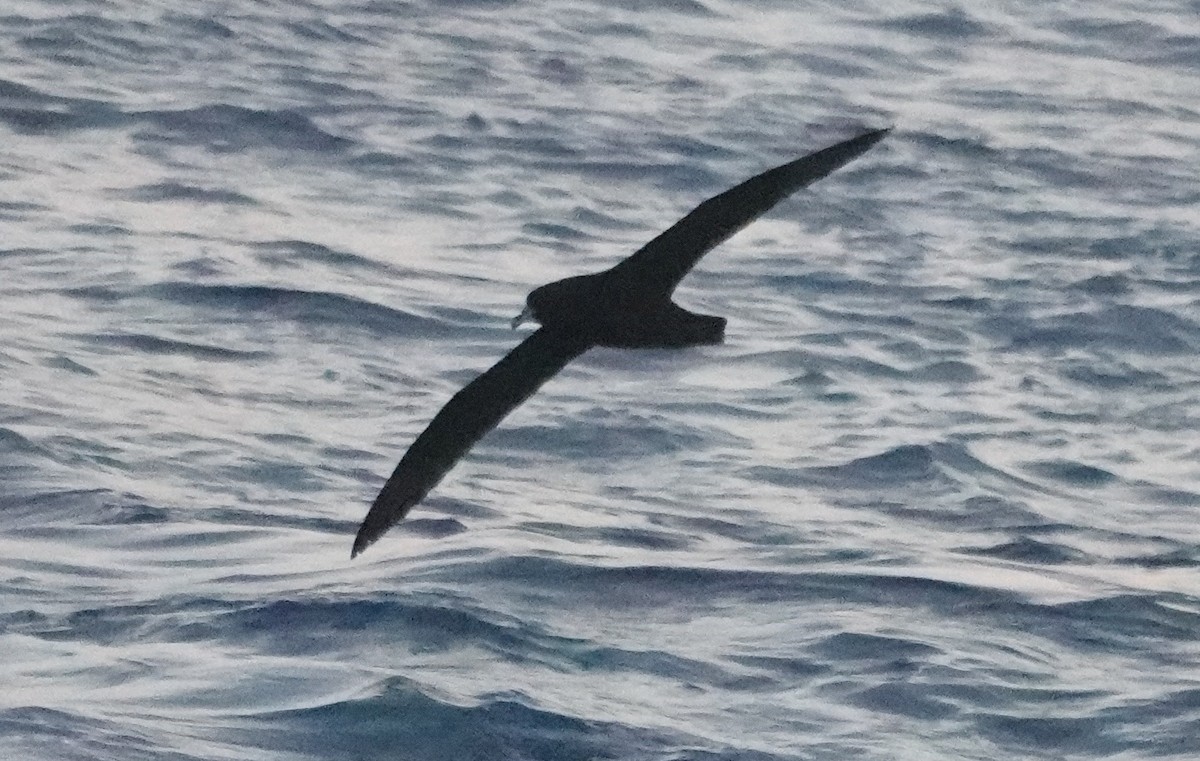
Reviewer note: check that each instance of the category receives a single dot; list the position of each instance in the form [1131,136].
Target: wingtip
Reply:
[875,135]
[865,141]
[362,540]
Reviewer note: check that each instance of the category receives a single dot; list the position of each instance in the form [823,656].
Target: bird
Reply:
[626,306]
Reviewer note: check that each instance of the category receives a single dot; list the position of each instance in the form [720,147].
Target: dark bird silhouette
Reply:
[628,306]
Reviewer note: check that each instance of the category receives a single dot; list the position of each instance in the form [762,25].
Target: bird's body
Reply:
[612,312]
[627,306]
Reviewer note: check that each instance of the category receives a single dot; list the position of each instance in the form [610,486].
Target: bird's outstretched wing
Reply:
[469,414]
[657,267]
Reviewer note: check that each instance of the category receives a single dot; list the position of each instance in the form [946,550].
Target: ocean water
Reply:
[937,496]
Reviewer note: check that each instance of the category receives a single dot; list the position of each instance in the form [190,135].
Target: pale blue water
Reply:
[936,497]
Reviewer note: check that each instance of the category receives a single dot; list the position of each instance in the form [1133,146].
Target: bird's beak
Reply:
[526,314]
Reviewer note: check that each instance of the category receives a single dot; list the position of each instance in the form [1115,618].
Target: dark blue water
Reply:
[936,496]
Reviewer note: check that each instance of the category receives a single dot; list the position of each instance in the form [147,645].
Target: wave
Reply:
[150,344]
[220,127]
[227,128]
[302,306]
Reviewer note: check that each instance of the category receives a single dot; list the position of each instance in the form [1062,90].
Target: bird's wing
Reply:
[469,414]
[660,264]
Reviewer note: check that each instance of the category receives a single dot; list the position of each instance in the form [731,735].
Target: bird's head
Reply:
[562,302]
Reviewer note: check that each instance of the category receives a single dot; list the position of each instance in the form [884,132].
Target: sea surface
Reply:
[937,496]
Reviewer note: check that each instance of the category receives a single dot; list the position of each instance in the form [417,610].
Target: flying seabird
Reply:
[628,306]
